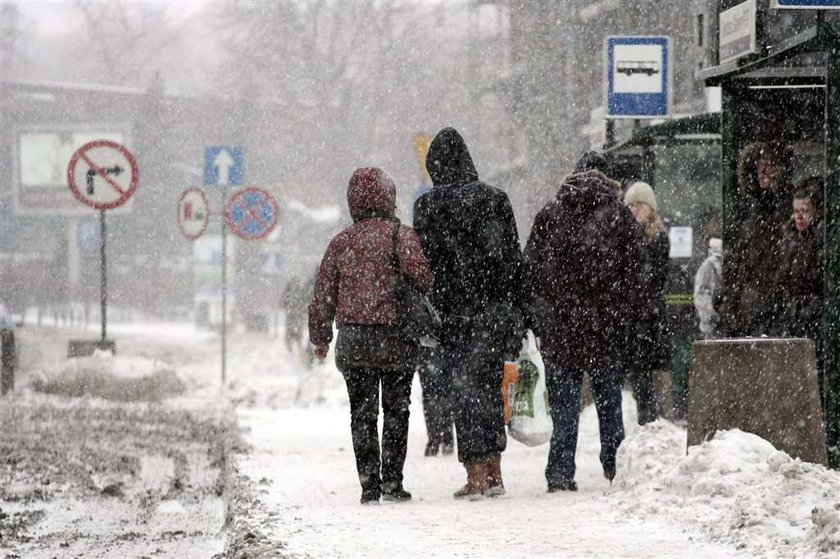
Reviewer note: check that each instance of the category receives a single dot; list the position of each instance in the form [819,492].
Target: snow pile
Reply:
[262,373]
[737,488]
[112,377]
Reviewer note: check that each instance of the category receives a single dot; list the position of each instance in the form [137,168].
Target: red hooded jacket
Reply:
[356,280]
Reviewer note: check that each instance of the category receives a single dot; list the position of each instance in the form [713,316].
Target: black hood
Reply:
[449,161]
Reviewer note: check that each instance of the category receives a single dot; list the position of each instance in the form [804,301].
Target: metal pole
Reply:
[103,276]
[730,98]
[224,287]
[831,275]
[8,361]
[609,136]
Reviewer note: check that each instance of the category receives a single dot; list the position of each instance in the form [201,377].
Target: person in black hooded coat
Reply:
[468,232]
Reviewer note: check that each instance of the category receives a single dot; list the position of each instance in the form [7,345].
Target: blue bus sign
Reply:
[638,77]
[808,4]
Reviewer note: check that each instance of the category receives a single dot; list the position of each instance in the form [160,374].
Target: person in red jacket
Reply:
[356,287]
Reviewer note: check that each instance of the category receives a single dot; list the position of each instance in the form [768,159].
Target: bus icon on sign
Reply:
[631,67]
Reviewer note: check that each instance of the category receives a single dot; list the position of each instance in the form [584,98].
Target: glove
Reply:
[320,351]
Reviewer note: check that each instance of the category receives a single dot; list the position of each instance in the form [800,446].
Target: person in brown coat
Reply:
[356,287]
[651,350]
[749,264]
[798,292]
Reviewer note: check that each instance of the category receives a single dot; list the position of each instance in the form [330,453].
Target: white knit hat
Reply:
[641,192]
[716,246]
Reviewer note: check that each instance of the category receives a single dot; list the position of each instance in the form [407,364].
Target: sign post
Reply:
[638,77]
[102,175]
[223,166]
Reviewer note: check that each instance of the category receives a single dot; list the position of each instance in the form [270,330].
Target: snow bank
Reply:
[737,488]
[113,377]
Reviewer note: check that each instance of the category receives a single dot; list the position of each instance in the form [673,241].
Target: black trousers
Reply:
[363,385]
[647,404]
[436,382]
[477,402]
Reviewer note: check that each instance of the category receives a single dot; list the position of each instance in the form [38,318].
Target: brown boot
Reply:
[476,482]
[495,486]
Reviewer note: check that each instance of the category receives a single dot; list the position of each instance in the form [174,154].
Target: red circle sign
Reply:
[193,213]
[102,174]
[252,213]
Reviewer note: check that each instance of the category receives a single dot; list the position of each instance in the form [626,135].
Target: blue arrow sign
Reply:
[223,166]
[638,77]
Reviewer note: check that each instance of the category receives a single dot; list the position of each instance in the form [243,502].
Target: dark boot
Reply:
[476,482]
[395,493]
[431,449]
[565,485]
[495,486]
[448,444]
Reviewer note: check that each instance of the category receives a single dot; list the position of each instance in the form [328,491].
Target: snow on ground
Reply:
[733,496]
[296,491]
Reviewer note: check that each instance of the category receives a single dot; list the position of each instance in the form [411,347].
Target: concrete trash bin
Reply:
[765,386]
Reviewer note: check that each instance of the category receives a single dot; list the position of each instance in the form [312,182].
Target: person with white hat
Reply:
[706,283]
[652,348]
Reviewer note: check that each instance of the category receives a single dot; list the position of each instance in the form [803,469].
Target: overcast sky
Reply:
[52,17]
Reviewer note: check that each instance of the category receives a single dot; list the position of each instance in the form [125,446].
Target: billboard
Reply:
[41,157]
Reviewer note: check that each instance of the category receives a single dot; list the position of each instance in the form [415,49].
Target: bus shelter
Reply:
[680,159]
[787,90]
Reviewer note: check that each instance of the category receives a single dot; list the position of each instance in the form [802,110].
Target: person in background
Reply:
[356,287]
[468,231]
[743,301]
[585,272]
[706,283]
[295,298]
[437,401]
[651,349]
[799,276]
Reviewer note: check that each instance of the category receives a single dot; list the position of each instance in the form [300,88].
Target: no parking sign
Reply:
[252,213]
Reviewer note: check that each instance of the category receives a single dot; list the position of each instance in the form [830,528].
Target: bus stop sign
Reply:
[806,4]
[638,77]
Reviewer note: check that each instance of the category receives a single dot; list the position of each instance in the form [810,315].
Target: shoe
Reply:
[565,485]
[476,482]
[495,485]
[398,495]
[395,494]
[431,449]
[609,471]
[370,497]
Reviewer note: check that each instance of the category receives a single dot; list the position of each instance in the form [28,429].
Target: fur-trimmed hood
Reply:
[589,188]
[751,154]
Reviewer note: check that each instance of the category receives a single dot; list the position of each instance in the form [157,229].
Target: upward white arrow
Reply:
[223,162]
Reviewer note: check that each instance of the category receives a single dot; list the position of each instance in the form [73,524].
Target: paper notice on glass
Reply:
[682,242]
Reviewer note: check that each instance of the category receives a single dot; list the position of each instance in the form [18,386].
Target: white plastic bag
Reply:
[530,421]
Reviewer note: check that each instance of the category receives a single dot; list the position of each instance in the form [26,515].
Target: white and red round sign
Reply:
[102,174]
[193,213]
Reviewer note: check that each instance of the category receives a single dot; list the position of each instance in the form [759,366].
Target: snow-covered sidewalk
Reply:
[302,461]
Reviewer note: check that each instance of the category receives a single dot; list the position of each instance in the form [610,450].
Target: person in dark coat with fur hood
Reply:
[356,287]
[468,231]
[585,264]
[749,264]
